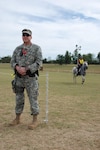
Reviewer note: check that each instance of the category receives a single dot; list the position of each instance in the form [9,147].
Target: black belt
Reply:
[28,73]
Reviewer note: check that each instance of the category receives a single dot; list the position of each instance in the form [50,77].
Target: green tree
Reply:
[67,57]
[60,59]
[76,54]
[98,57]
[6,59]
[88,58]
[45,60]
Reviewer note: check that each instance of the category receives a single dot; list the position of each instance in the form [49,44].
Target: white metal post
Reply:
[46,117]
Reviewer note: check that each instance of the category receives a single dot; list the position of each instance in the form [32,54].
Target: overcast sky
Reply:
[57,25]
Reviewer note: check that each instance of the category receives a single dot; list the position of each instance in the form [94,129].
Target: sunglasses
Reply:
[26,34]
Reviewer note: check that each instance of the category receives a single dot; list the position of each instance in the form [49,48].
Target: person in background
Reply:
[79,64]
[26,61]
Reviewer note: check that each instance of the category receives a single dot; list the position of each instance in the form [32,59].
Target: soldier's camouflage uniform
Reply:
[30,58]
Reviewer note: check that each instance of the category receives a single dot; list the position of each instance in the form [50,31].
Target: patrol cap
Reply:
[27,31]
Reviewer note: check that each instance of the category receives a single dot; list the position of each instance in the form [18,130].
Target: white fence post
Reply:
[46,116]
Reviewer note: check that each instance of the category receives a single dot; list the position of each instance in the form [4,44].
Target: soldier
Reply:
[26,61]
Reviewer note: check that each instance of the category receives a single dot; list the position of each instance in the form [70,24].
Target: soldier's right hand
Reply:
[21,70]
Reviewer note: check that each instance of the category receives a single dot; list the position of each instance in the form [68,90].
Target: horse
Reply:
[82,72]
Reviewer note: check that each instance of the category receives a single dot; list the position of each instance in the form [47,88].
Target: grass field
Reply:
[73,116]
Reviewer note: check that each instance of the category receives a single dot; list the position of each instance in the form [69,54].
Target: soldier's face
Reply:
[26,37]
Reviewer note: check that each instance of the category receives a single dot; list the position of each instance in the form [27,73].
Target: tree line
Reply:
[68,58]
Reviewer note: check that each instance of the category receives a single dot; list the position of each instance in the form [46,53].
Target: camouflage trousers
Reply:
[31,86]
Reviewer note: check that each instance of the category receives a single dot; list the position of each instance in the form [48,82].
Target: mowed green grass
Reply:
[73,111]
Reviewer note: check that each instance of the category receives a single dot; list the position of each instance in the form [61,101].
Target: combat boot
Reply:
[34,123]
[16,121]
